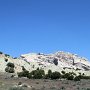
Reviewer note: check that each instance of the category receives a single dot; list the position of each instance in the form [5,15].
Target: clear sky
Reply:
[45,26]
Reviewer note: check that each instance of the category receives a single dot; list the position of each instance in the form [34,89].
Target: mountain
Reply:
[59,61]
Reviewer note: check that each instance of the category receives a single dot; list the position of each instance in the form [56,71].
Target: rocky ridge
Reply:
[59,61]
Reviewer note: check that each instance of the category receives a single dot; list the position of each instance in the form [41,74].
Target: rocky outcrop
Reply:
[56,62]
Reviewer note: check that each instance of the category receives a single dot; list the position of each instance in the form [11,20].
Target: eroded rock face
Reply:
[56,62]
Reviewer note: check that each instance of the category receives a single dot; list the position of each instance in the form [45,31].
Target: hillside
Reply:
[59,61]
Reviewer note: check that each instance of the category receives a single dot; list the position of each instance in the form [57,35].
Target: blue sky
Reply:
[45,26]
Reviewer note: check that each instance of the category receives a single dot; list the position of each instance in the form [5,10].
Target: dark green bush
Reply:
[23,74]
[46,76]
[20,74]
[72,73]
[7,55]
[38,75]
[84,77]
[71,77]
[35,74]
[49,74]
[9,70]
[30,76]
[55,75]
[66,75]
[1,52]
[63,72]
[23,68]
[10,65]
[6,59]
[77,78]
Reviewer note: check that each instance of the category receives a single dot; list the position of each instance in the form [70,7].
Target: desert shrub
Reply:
[23,74]
[42,72]
[49,74]
[55,75]
[38,75]
[63,72]
[46,76]
[77,78]
[11,65]
[66,75]
[23,68]
[7,55]
[33,72]
[72,73]
[1,52]
[55,61]
[20,74]
[30,76]
[38,68]
[84,77]
[9,70]
[6,59]
[71,77]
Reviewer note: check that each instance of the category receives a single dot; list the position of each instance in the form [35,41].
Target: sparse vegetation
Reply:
[35,74]
[40,74]
[7,55]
